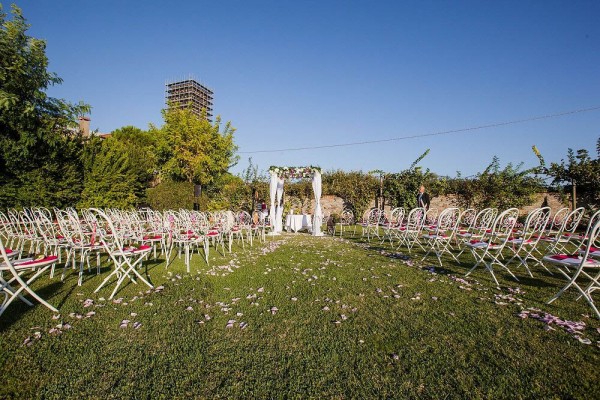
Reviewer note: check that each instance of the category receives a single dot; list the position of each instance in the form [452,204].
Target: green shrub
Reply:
[169,195]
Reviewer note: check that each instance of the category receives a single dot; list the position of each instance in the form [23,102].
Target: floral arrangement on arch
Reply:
[294,172]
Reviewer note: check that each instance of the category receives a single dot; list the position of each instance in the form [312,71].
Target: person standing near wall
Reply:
[423,198]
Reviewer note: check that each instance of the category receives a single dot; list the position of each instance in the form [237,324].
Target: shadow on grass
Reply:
[18,309]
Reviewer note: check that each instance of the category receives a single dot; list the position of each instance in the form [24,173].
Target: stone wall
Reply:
[542,200]
[335,205]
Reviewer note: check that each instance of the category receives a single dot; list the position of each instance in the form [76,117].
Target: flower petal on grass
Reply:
[584,340]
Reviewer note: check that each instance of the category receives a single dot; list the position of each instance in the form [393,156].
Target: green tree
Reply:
[40,148]
[140,147]
[169,195]
[401,188]
[579,174]
[355,187]
[118,169]
[192,149]
[256,186]
[111,180]
[497,187]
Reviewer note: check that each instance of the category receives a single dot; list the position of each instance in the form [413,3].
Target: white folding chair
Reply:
[488,250]
[561,239]
[392,227]
[580,270]
[78,238]
[408,234]
[12,280]
[439,241]
[346,220]
[126,259]
[477,228]
[188,232]
[246,225]
[523,244]
[370,225]
[155,233]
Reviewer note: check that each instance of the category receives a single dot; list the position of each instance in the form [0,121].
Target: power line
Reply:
[472,128]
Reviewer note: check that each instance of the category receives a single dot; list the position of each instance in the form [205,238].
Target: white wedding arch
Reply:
[278,175]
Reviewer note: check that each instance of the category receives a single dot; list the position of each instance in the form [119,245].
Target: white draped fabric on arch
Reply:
[278,175]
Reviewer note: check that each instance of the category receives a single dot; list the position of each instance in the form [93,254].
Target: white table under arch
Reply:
[278,175]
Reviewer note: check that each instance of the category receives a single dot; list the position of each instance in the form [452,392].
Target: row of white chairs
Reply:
[496,239]
[36,239]
[128,237]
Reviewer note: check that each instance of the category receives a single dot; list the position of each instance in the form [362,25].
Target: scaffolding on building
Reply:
[190,94]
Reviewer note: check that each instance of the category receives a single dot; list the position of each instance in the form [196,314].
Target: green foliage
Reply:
[192,149]
[169,195]
[140,147]
[301,192]
[355,187]
[229,192]
[111,181]
[496,187]
[579,168]
[256,186]
[39,149]
[400,189]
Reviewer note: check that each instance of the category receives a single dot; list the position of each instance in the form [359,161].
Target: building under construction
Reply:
[189,93]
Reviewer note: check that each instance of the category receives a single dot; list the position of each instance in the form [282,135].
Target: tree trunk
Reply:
[574,193]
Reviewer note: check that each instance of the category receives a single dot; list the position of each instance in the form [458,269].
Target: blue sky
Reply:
[306,73]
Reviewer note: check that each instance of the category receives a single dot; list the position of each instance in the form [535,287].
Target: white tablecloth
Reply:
[298,222]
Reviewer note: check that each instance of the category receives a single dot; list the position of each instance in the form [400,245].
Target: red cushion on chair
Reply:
[156,237]
[44,260]
[212,233]
[563,256]
[136,249]
[142,248]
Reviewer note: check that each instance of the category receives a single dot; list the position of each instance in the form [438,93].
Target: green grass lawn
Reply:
[301,317]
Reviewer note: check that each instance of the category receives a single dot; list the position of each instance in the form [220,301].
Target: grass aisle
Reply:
[302,317]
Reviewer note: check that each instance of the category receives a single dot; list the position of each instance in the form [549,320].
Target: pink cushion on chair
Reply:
[155,237]
[563,256]
[142,248]
[137,249]
[33,263]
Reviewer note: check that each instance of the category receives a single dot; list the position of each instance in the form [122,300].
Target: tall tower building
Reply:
[189,93]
